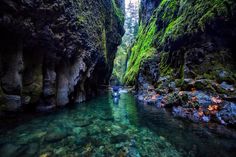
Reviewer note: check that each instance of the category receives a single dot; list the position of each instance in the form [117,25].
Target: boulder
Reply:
[119,138]
[55,135]
[11,150]
[12,102]
[227,87]
[228,114]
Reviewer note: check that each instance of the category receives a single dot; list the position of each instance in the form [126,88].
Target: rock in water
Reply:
[228,114]
[119,138]
[133,152]
[11,150]
[33,150]
[84,123]
[55,135]
[176,49]
[226,86]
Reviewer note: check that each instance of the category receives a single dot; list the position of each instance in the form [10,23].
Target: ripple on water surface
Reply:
[101,128]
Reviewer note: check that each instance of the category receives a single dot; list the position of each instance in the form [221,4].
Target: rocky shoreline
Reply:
[192,103]
[183,64]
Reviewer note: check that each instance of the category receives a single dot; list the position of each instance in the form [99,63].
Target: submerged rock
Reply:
[11,150]
[55,135]
[228,114]
[119,138]
[33,150]
[94,130]
[84,122]
[107,118]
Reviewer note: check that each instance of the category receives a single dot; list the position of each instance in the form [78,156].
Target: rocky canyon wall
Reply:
[56,52]
[184,39]
[184,58]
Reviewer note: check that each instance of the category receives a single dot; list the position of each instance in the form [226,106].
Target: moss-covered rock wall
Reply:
[188,39]
[56,52]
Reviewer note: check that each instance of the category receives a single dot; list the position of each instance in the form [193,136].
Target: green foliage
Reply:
[118,11]
[130,25]
[120,63]
[173,20]
[184,17]
[81,19]
[165,69]
[142,49]
[104,43]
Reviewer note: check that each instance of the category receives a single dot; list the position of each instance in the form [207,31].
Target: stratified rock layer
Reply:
[56,51]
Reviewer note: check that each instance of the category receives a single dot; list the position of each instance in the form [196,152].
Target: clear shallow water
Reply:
[101,128]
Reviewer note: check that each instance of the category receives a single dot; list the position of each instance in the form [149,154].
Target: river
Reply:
[100,128]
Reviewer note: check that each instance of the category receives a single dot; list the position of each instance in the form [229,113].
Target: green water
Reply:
[101,128]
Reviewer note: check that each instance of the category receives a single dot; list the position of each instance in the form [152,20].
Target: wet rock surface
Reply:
[56,52]
[228,114]
[55,135]
[195,105]
[188,68]
[119,138]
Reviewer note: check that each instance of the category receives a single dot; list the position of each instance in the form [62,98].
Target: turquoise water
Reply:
[102,128]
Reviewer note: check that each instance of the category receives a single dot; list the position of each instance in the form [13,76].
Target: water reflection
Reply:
[116,100]
[104,128]
[191,139]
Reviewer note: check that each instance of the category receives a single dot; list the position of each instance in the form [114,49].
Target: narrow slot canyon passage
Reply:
[124,50]
[117,78]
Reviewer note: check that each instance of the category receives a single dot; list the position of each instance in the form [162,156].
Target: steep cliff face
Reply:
[184,58]
[189,39]
[147,8]
[56,51]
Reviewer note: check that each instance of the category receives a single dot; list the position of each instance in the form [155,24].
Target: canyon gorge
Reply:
[117,78]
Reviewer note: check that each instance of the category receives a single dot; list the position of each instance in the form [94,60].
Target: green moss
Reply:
[174,20]
[209,76]
[200,85]
[118,11]
[81,19]
[179,82]
[120,63]
[183,17]
[142,49]
[218,9]
[104,44]
[165,69]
